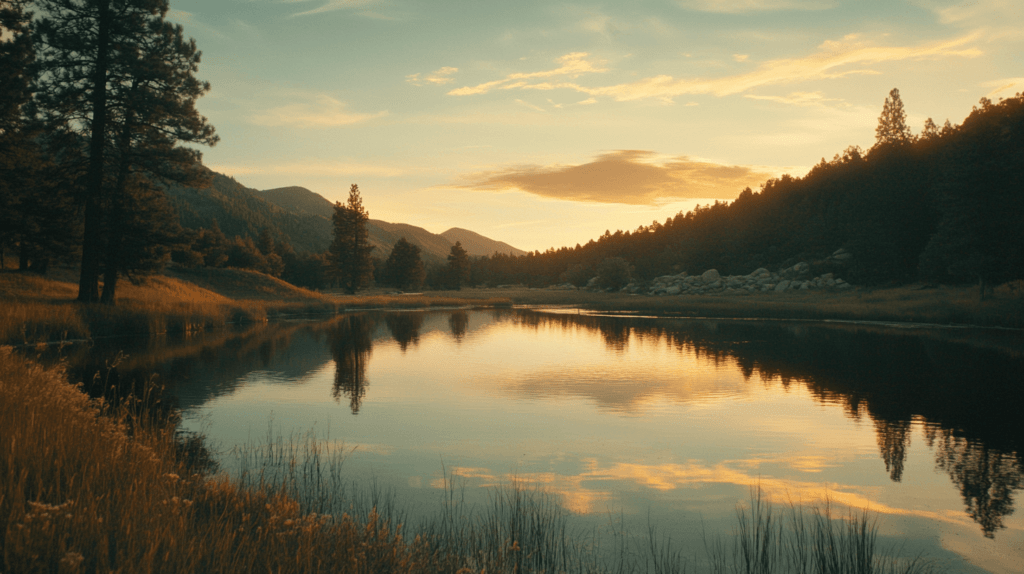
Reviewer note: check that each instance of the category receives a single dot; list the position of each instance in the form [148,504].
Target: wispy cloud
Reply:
[627,177]
[571,65]
[797,99]
[332,5]
[437,77]
[1005,87]
[741,6]
[323,112]
[833,59]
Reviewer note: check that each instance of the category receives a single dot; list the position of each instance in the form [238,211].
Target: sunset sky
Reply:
[544,123]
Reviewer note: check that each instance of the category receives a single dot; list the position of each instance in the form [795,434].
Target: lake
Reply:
[632,421]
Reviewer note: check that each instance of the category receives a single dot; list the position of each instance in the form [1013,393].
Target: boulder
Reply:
[710,276]
[782,285]
[673,290]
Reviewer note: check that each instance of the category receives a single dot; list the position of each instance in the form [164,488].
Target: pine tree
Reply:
[404,268]
[349,254]
[458,266]
[119,78]
[892,124]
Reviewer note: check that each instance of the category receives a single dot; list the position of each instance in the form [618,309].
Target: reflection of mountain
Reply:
[351,344]
[968,396]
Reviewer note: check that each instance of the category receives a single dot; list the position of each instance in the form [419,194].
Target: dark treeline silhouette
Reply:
[889,377]
[943,206]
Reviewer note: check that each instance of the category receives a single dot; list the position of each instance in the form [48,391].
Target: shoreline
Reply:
[41,310]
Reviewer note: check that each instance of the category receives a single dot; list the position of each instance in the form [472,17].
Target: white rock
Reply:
[710,276]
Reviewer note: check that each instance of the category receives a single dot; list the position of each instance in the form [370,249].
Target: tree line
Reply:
[942,206]
[98,98]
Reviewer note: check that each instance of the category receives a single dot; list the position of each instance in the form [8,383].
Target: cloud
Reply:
[624,176]
[741,57]
[741,6]
[834,59]
[1006,87]
[324,112]
[437,77]
[797,98]
[332,5]
[572,66]
[531,106]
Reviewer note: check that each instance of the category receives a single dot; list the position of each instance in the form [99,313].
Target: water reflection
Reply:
[966,398]
[351,344]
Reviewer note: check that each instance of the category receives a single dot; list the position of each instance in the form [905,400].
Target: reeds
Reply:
[88,487]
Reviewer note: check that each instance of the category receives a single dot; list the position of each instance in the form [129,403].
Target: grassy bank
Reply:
[37,308]
[108,490]
[936,305]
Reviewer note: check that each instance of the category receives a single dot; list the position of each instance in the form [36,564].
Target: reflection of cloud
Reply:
[437,77]
[834,59]
[625,176]
[572,65]
[740,6]
[578,496]
[324,112]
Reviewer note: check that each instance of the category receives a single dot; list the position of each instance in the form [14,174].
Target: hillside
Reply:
[476,244]
[303,219]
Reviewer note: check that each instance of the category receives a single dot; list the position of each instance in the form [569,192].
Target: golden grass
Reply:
[90,495]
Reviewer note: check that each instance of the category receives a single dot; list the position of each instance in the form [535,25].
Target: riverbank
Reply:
[938,305]
[109,489]
[41,309]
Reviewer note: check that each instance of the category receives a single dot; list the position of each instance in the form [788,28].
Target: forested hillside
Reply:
[946,205]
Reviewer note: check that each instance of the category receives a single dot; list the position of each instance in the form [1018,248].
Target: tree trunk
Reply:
[88,282]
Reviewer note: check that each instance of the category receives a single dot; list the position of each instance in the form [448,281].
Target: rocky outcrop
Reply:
[795,278]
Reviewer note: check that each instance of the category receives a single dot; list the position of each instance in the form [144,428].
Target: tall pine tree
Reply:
[349,254]
[117,79]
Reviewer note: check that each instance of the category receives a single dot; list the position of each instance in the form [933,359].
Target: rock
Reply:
[710,276]
[782,285]
[673,290]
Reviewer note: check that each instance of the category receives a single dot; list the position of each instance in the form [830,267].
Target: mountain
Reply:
[304,219]
[476,244]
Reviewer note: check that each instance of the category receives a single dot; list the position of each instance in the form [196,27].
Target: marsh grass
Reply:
[89,487]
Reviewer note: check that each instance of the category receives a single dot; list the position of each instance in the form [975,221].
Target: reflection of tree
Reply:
[985,476]
[893,440]
[405,328]
[351,344]
[458,321]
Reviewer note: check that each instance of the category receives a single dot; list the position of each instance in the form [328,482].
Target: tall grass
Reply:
[88,487]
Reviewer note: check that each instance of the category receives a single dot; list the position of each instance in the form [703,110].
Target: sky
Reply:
[545,123]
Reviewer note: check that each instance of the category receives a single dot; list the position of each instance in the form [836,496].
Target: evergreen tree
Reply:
[457,271]
[892,124]
[118,79]
[404,267]
[349,254]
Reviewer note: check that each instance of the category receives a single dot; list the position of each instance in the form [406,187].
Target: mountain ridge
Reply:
[303,218]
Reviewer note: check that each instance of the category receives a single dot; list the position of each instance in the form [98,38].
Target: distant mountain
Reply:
[303,218]
[476,244]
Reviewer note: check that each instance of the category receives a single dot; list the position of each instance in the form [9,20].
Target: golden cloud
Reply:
[833,59]
[572,66]
[625,176]
[437,77]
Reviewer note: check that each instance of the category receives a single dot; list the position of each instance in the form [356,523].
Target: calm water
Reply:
[667,422]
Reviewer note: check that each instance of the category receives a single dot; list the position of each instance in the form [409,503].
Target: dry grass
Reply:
[104,491]
[85,487]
